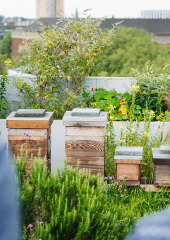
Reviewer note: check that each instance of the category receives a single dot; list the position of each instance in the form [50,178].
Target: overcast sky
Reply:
[101,8]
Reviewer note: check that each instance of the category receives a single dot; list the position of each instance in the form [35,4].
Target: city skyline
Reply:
[107,8]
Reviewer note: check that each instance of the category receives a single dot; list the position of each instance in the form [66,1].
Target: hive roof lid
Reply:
[85,112]
[30,113]
[132,151]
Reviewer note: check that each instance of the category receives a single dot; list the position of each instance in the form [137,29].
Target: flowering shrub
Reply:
[153,89]
[61,57]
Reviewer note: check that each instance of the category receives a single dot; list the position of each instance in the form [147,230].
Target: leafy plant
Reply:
[61,57]
[153,89]
[3,81]
[103,99]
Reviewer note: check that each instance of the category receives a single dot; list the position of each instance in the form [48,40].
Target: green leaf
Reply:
[85,95]
[138,107]
[54,89]
[46,104]
[98,96]
[127,96]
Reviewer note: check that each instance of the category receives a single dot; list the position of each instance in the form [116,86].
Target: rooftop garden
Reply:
[72,204]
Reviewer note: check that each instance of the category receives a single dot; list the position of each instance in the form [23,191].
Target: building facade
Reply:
[155,14]
[49,8]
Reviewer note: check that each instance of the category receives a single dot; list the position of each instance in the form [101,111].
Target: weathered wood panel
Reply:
[83,153]
[128,161]
[89,146]
[28,124]
[85,131]
[92,169]
[33,132]
[84,123]
[83,138]
[131,183]
[161,161]
[130,170]
[161,174]
[94,161]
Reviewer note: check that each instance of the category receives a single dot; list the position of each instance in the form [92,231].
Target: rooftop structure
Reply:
[49,8]
[155,14]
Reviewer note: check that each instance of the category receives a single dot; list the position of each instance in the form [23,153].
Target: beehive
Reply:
[128,164]
[161,160]
[31,129]
[85,139]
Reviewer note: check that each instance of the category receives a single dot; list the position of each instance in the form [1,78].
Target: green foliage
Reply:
[133,47]
[105,100]
[3,101]
[5,45]
[153,89]
[69,205]
[76,205]
[61,57]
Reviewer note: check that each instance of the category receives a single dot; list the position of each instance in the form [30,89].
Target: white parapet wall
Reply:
[58,138]
[120,84]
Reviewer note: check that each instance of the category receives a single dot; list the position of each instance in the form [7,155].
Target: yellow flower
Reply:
[87,64]
[37,95]
[133,129]
[134,88]
[112,107]
[26,46]
[107,122]
[20,60]
[78,48]
[108,134]
[103,39]
[111,118]
[35,85]
[68,78]
[121,126]
[147,134]
[46,97]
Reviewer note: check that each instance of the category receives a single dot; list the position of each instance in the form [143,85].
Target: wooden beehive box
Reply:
[36,123]
[161,160]
[128,164]
[85,139]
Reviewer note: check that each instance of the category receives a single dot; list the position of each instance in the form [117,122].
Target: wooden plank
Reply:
[89,146]
[128,161]
[131,183]
[161,161]
[150,188]
[88,167]
[33,132]
[83,153]
[28,124]
[92,161]
[24,138]
[132,171]
[85,131]
[161,173]
[83,138]
[84,123]
[93,171]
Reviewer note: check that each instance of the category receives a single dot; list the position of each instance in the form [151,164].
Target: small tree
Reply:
[62,56]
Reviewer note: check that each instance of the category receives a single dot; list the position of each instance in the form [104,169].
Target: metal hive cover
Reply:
[86,112]
[30,113]
[160,158]
[132,151]
[165,149]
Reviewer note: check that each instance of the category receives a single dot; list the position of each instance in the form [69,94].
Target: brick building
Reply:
[159,27]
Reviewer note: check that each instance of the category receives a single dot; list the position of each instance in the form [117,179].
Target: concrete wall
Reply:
[120,84]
